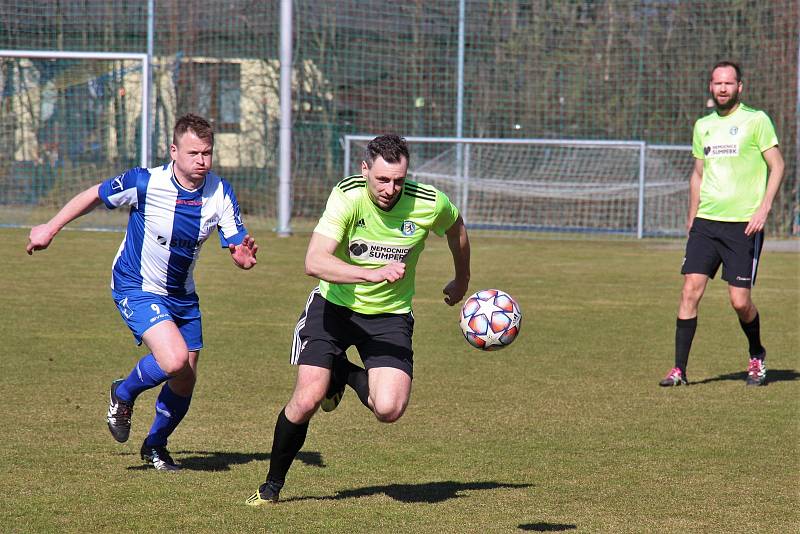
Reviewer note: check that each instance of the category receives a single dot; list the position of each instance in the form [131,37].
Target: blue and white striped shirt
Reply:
[168,225]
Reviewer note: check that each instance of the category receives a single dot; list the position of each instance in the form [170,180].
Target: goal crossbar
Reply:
[480,182]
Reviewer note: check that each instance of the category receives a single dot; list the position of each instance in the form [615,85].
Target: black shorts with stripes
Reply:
[326,330]
[712,243]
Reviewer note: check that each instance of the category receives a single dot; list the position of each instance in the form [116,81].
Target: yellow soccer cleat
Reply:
[266,494]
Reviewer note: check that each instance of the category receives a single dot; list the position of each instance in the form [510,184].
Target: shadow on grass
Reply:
[222,461]
[430,492]
[773,375]
[547,527]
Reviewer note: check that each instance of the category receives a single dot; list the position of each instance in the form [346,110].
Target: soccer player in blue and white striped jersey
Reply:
[174,208]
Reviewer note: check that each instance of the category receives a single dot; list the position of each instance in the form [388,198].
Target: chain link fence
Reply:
[615,70]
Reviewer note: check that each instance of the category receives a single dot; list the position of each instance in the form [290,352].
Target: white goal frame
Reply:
[144,152]
[463,165]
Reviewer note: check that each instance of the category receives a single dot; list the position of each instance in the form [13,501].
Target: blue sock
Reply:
[170,410]
[147,374]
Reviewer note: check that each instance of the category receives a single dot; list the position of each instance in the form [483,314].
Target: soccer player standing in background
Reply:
[174,209]
[364,251]
[737,173]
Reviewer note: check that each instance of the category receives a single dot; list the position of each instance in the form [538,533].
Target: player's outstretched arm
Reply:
[244,254]
[775,164]
[458,241]
[321,263]
[42,235]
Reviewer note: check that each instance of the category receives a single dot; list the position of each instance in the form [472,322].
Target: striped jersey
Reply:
[370,237]
[167,226]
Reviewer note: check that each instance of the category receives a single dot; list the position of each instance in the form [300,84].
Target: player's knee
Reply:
[741,304]
[691,293]
[388,411]
[175,363]
[302,406]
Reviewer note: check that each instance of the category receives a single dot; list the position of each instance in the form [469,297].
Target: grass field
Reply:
[566,430]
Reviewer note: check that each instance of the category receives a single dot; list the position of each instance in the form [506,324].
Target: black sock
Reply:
[286,443]
[753,332]
[684,334]
[357,379]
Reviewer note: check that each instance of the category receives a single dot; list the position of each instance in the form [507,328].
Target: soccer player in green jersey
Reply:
[737,173]
[364,251]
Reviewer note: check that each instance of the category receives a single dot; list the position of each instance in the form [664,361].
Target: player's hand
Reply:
[391,272]
[454,291]
[244,254]
[689,223]
[757,221]
[40,238]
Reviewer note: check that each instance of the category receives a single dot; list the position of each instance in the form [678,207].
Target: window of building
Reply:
[212,90]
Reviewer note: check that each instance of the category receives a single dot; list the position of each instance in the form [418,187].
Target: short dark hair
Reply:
[731,64]
[392,148]
[196,124]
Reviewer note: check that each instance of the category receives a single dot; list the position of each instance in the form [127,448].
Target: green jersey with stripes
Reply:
[371,237]
[734,169]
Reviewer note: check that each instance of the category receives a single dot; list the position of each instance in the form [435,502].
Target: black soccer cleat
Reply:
[119,414]
[159,456]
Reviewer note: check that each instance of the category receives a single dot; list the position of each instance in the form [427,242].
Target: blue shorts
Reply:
[141,310]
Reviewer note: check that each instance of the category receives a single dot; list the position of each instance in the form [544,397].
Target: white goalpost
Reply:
[69,119]
[144,152]
[626,188]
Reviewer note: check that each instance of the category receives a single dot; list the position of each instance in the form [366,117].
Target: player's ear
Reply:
[364,167]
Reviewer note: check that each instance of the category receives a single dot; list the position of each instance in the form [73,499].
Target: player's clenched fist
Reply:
[391,272]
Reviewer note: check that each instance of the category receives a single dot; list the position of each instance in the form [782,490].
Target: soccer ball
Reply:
[490,319]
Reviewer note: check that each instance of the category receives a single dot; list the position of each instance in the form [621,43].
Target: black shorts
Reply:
[712,243]
[326,330]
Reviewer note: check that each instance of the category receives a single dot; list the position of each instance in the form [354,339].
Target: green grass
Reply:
[566,430]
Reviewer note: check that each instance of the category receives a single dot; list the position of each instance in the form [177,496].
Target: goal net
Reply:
[540,186]
[67,121]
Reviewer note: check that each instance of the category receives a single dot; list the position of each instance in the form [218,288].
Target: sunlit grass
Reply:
[566,430]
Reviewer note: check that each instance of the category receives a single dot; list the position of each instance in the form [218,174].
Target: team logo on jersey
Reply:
[734,130]
[358,249]
[361,224]
[408,228]
[116,183]
[377,252]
